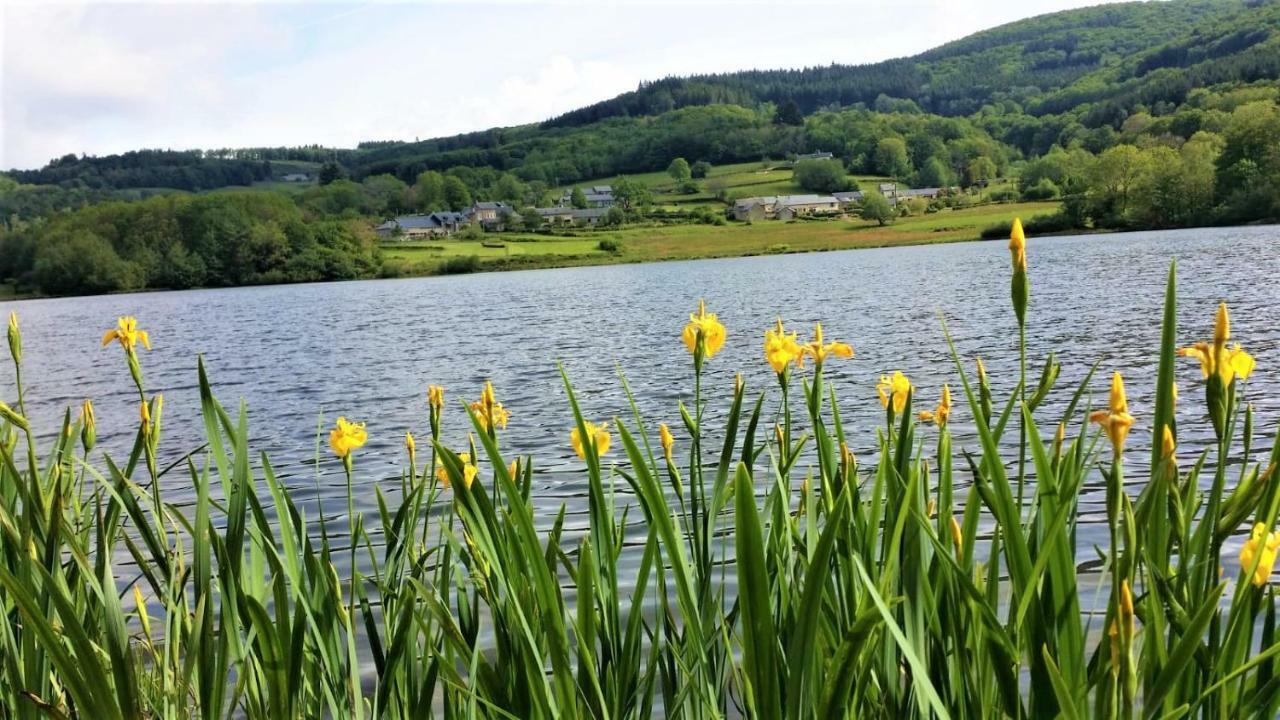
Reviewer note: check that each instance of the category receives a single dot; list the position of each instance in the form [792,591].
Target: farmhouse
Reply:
[296,177]
[598,196]
[555,215]
[755,208]
[589,216]
[791,206]
[848,198]
[783,207]
[815,156]
[434,224]
[491,215]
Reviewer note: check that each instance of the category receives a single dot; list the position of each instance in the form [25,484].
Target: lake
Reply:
[303,354]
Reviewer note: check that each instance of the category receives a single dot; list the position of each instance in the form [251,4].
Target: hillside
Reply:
[1031,84]
[1042,61]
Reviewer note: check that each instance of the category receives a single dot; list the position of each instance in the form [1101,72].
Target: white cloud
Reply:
[87,77]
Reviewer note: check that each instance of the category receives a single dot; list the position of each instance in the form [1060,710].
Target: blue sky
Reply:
[89,77]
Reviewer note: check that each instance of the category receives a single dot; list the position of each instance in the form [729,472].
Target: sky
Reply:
[99,78]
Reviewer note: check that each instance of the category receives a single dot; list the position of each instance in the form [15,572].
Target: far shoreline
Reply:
[556,262]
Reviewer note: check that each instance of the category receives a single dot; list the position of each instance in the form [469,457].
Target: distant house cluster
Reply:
[296,177]
[784,207]
[561,215]
[597,196]
[494,215]
[789,207]
[815,156]
[425,225]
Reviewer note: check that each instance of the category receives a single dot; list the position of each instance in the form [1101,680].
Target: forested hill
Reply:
[1126,53]
[1084,77]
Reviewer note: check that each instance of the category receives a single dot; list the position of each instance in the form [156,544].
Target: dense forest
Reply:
[180,241]
[1134,115]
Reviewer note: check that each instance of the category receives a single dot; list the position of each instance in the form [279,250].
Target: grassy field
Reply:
[682,242]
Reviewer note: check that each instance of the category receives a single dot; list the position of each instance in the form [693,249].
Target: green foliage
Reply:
[224,238]
[700,169]
[460,265]
[876,207]
[614,217]
[578,199]
[679,170]
[609,245]
[890,157]
[825,176]
[330,172]
[789,114]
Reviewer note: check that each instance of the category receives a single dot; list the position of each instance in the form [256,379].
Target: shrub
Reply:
[610,245]
[460,265]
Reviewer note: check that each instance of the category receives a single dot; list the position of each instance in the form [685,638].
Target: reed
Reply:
[842,591]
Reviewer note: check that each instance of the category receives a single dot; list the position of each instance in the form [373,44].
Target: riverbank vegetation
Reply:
[778,575]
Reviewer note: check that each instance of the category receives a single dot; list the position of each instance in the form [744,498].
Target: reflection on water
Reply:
[369,349]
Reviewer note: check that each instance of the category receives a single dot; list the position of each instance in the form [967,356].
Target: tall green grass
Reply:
[844,591]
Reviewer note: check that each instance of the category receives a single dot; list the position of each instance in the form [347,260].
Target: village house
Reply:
[555,215]
[754,208]
[790,207]
[783,207]
[589,216]
[598,196]
[296,177]
[847,199]
[436,224]
[815,156]
[491,215]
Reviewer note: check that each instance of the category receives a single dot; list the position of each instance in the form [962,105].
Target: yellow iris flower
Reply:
[668,442]
[1227,363]
[435,397]
[818,350]
[1115,420]
[942,413]
[468,472]
[599,433]
[1018,245]
[780,348]
[489,412]
[127,333]
[1261,546]
[708,327]
[895,388]
[410,445]
[347,436]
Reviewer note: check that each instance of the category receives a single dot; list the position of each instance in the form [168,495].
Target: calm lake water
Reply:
[303,354]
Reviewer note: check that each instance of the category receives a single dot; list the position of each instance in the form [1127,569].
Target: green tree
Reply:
[388,195]
[577,198]
[891,159]
[789,114]
[700,169]
[876,207]
[821,176]
[530,219]
[428,192]
[508,188]
[331,171]
[980,170]
[935,173]
[614,217]
[457,195]
[1113,178]
[679,170]
[631,194]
